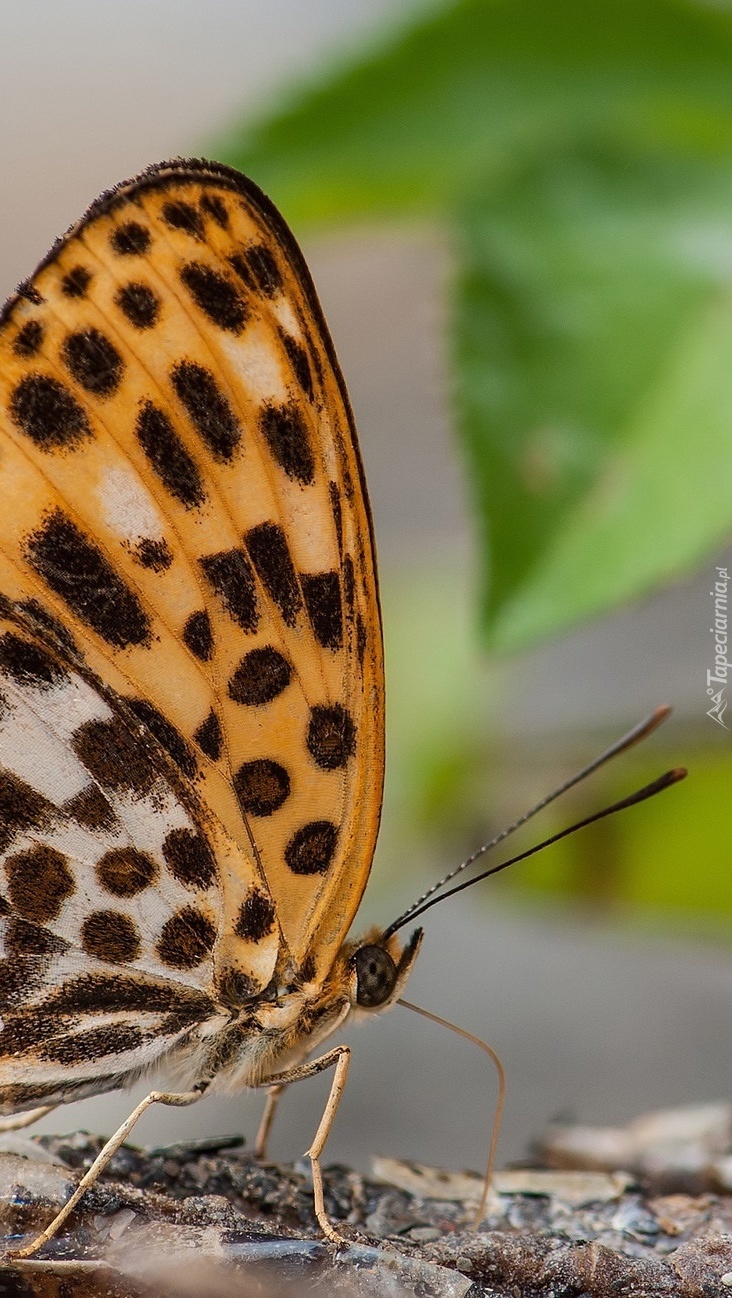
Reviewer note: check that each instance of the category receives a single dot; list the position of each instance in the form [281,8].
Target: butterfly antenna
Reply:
[634,736]
[461,1032]
[648,791]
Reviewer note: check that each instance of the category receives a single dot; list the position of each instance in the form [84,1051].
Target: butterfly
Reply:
[191,665]
[191,670]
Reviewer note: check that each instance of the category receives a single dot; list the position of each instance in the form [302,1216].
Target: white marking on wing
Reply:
[127,508]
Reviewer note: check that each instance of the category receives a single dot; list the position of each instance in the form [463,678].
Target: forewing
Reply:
[193,511]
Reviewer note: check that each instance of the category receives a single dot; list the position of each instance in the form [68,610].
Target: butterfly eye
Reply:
[376,976]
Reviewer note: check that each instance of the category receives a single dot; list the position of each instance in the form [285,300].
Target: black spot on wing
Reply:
[110,936]
[261,786]
[261,676]
[189,858]
[76,282]
[256,918]
[90,809]
[348,486]
[209,737]
[197,635]
[76,570]
[39,882]
[238,264]
[263,269]
[153,553]
[311,849]
[186,939]
[286,435]
[298,359]
[335,503]
[168,457]
[102,994]
[29,664]
[207,408]
[215,206]
[22,938]
[23,1032]
[28,339]
[138,304]
[130,239]
[93,361]
[349,584]
[125,872]
[267,546]
[235,990]
[18,979]
[322,593]
[166,734]
[215,295]
[229,574]
[21,808]
[94,1044]
[48,413]
[331,737]
[31,294]
[113,757]
[183,216]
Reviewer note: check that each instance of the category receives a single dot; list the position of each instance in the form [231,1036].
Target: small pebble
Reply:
[121,1221]
[424,1234]
[726,1279]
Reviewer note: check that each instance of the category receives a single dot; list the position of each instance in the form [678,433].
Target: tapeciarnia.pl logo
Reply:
[719,677]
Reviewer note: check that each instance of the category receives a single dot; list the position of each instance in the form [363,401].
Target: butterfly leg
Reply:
[101,1160]
[265,1126]
[338,1058]
[18,1120]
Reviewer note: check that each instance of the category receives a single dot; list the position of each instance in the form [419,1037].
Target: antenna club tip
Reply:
[656,719]
[678,773]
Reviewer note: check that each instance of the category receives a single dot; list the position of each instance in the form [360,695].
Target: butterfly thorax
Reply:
[288,1023]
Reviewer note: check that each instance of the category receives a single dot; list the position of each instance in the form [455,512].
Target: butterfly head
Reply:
[378,968]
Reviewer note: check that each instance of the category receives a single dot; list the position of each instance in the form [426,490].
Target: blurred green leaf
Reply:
[438,700]
[664,857]
[594,382]
[663,503]
[581,157]
[478,87]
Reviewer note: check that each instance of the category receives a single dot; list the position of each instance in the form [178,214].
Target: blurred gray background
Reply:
[590,1019]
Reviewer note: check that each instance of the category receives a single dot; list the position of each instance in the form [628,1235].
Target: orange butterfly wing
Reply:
[186,496]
